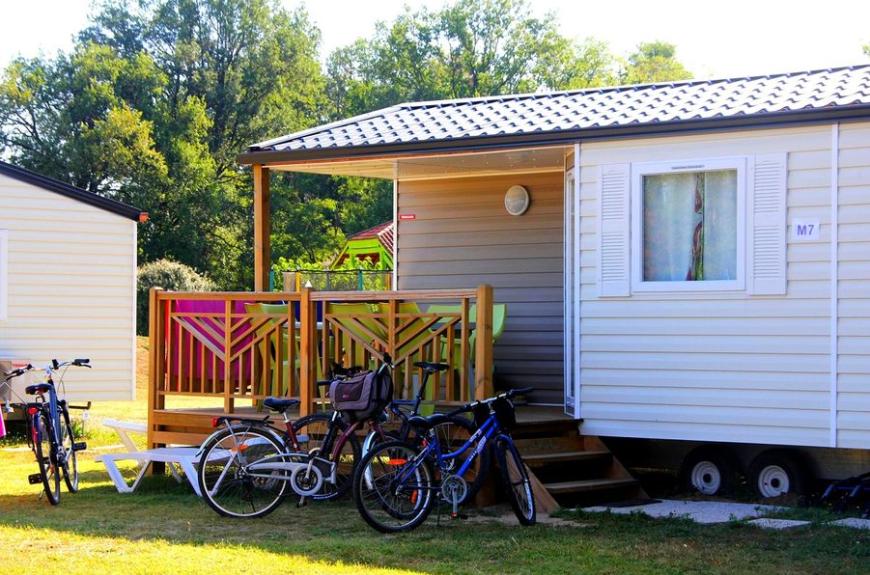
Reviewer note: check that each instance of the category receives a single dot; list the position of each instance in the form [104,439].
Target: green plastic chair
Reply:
[266,348]
[499,316]
[359,311]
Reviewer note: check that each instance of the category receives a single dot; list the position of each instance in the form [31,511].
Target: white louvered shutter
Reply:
[613,231]
[767,226]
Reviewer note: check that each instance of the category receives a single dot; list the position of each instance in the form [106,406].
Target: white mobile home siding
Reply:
[729,366]
[853,401]
[71,282]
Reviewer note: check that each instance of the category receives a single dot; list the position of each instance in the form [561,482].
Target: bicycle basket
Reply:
[505,413]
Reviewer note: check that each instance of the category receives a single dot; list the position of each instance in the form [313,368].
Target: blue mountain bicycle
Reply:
[49,431]
[397,484]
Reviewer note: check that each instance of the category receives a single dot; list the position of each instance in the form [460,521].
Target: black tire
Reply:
[779,472]
[67,441]
[220,459]
[48,470]
[515,481]
[709,471]
[453,432]
[383,507]
[312,429]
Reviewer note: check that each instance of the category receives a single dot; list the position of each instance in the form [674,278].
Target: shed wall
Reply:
[462,236]
[729,366]
[71,288]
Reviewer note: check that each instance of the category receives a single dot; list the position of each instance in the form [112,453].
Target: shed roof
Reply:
[545,117]
[64,189]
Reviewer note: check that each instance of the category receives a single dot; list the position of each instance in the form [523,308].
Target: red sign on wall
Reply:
[405,217]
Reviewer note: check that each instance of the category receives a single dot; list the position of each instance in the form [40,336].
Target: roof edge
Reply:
[64,189]
[546,94]
[494,142]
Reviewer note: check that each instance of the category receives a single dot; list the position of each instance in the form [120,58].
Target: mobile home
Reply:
[68,282]
[685,265]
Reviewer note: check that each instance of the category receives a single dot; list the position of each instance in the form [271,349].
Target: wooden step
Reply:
[541,459]
[589,485]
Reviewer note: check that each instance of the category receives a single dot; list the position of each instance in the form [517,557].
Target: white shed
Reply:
[68,282]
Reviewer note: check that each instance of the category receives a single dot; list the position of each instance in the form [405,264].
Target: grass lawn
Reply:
[164,528]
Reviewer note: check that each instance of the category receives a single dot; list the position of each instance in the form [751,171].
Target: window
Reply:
[4,273]
[688,226]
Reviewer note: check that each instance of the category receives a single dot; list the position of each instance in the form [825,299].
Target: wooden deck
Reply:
[190,426]
[238,348]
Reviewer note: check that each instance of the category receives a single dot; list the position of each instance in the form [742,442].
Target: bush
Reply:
[169,275]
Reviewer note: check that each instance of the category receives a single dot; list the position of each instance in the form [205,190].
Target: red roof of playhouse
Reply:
[383,232]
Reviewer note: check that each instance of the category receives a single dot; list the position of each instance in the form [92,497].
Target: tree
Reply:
[653,62]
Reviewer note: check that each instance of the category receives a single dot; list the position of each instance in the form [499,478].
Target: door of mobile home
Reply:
[571,292]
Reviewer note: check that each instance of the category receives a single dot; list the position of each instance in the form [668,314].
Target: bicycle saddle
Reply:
[279,404]
[37,388]
[431,367]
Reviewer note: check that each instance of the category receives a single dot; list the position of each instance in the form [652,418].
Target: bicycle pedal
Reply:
[34,478]
[80,446]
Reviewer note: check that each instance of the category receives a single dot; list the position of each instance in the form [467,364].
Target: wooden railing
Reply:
[248,346]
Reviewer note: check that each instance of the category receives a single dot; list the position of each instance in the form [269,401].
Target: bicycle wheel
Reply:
[311,431]
[452,434]
[515,481]
[48,471]
[67,441]
[226,485]
[392,493]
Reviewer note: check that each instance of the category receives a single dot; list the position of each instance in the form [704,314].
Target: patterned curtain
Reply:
[690,226]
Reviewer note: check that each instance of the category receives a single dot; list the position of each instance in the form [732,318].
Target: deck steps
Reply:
[542,459]
[589,485]
[570,468]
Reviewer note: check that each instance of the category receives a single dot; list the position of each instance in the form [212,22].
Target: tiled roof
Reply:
[576,111]
[384,233]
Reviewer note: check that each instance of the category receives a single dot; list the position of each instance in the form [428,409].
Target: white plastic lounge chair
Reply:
[178,459]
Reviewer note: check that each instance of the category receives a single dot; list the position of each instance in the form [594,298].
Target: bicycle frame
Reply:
[479,439]
[58,456]
[263,468]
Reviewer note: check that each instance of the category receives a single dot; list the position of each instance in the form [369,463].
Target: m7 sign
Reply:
[805,230]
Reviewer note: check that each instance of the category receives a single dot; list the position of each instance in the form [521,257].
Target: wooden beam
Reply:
[483,387]
[307,353]
[262,227]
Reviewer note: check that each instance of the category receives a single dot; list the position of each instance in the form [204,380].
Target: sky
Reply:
[714,39]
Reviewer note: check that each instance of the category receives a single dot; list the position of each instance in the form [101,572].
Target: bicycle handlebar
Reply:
[17,372]
[504,395]
[54,366]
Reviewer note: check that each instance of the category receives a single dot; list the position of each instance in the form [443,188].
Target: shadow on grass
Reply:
[163,510]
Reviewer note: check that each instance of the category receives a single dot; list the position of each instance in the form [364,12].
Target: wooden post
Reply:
[229,387]
[155,349]
[483,387]
[307,352]
[262,227]
[156,362]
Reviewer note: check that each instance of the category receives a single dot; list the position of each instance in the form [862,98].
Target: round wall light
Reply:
[516,200]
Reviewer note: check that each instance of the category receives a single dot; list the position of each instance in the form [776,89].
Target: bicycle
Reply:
[452,429]
[395,487]
[49,430]
[315,455]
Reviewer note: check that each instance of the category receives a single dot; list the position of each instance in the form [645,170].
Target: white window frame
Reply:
[638,171]
[4,274]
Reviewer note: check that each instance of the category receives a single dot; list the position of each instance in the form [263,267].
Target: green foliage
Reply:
[157,98]
[653,62]
[168,275]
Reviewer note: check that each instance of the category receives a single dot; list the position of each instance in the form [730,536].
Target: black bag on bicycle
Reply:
[363,395]
[504,410]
